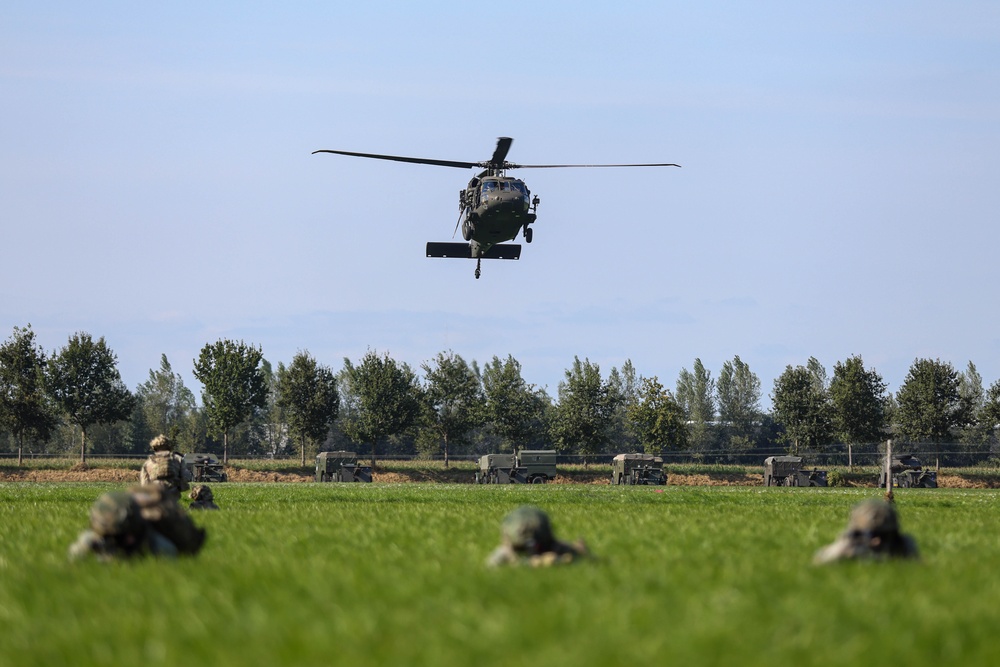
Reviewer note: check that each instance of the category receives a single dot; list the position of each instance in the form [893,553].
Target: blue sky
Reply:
[838,193]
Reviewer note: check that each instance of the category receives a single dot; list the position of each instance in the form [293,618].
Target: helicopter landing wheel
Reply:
[478,267]
[527,234]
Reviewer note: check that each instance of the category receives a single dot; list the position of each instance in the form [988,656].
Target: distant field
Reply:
[307,574]
[108,470]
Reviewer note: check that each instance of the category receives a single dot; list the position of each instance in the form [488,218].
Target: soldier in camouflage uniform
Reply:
[872,533]
[202,499]
[141,521]
[165,467]
[527,539]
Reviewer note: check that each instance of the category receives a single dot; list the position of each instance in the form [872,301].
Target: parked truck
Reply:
[205,468]
[529,466]
[908,473]
[632,469]
[341,467]
[789,471]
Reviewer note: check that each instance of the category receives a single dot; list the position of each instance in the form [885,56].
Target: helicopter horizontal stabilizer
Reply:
[464,251]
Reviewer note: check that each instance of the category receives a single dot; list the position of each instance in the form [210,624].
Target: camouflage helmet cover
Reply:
[116,513]
[874,516]
[201,492]
[160,443]
[527,529]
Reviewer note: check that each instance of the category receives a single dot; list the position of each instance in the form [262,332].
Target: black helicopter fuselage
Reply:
[497,209]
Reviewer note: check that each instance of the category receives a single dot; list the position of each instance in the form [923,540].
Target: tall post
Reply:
[888,470]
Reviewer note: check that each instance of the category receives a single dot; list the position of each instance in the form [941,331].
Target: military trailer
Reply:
[908,473]
[789,471]
[205,468]
[632,469]
[341,467]
[529,466]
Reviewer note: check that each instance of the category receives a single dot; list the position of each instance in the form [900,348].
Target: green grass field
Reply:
[309,574]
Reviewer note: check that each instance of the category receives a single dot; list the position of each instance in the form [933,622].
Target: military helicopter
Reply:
[493,208]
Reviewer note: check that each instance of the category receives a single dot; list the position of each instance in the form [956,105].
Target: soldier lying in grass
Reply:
[201,497]
[527,539]
[872,533]
[145,520]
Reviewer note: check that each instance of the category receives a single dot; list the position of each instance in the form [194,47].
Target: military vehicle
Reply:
[632,469]
[493,208]
[529,466]
[205,468]
[789,471]
[341,467]
[907,473]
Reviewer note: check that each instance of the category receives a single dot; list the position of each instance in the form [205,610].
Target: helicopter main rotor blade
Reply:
[412,160]
[500,154]
[571,166]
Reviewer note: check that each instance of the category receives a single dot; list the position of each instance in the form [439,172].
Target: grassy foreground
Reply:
[310,574]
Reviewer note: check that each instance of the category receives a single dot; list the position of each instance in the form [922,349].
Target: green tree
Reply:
[384,399]
[25,408]
[307,392]
[583,416]
[696,395]
[84,380]
[513,408]
[975,432]
[738,392]
[623,389]
[234,385]
[858,400]
[167,405]
[453,400]
[657,418]
[930,403]
[990,414]
[802,408]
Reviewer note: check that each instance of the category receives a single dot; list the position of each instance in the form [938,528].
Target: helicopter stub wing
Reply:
[464,251]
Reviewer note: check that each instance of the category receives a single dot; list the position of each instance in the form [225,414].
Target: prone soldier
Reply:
[165,468]
[141,521]
[527,539]
[872,533]
[201,497]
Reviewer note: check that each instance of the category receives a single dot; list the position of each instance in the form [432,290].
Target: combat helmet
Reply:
[201,492]
[161,443]
[116,513]
[527,529]
[874,516]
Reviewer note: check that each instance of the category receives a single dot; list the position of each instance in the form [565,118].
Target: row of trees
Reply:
[250,408]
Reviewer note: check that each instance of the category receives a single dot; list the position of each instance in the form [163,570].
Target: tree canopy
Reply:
[929,400]
[84,380]
[307,392]
[25,407]
[802,408]
[384,398]
[453,400]
[234,385]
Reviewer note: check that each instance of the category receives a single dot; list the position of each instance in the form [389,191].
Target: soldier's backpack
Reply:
[165,470]
[166,516]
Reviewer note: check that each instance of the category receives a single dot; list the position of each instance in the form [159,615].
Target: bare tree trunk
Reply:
[850,458]
[373,454]
[83,445]
[303,452]
[446,451]
[225,448]
[20,447]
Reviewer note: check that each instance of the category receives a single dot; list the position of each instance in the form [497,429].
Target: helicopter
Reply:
[493,207]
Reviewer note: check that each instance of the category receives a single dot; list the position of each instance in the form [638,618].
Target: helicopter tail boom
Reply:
[464,251]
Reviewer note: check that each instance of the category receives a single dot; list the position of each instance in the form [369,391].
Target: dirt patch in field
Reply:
[84,473]
[958,482]
[78,475]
